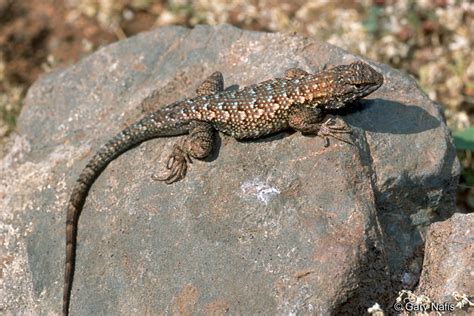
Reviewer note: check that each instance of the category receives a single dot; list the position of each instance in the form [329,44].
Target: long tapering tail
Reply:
[154,125]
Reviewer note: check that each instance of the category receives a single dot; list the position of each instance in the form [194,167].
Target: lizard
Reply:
[298,101]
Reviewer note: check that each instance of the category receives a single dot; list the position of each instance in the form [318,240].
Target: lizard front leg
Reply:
[313,121]
[198,144]
[294,73]
[213,84]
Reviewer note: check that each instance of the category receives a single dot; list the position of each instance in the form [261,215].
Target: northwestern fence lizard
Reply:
[298,101]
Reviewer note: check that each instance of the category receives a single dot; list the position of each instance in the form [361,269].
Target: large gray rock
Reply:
[448,265]
[278,225]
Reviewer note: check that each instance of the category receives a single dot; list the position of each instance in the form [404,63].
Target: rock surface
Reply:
[448,266]
[278,225]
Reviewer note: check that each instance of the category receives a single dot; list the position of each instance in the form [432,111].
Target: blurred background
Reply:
[432,40]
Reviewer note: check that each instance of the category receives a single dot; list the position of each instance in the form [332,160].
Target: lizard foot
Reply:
[177,164]
[330,128]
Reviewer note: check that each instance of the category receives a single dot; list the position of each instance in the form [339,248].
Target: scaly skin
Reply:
[297,101]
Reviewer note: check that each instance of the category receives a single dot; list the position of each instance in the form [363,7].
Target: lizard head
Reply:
[352,82]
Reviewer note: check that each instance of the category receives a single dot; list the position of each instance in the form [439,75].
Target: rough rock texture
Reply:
[278,225]
[449,259]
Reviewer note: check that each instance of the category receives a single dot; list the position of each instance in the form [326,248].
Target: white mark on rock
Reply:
[263,191]
[113,66]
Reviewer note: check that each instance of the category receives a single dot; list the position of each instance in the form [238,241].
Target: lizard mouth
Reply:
[369,88]
[352,96]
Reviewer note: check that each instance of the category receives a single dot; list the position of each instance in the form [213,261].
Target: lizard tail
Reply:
[147,128]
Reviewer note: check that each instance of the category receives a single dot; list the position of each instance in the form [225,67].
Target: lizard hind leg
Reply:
[198,144]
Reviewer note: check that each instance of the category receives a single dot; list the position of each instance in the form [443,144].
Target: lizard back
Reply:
[263,108]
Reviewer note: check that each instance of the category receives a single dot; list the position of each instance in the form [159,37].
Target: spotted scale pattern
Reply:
[264,108]
[256,110]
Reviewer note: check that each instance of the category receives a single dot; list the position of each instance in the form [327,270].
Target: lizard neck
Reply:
[313,90]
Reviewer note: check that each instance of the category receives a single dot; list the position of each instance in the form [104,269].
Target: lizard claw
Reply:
[177,164]
[330,128]
[336,127]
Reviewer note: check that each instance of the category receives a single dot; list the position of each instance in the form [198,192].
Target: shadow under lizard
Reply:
[298,101]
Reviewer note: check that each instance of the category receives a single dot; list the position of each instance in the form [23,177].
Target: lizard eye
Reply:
[358,85]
